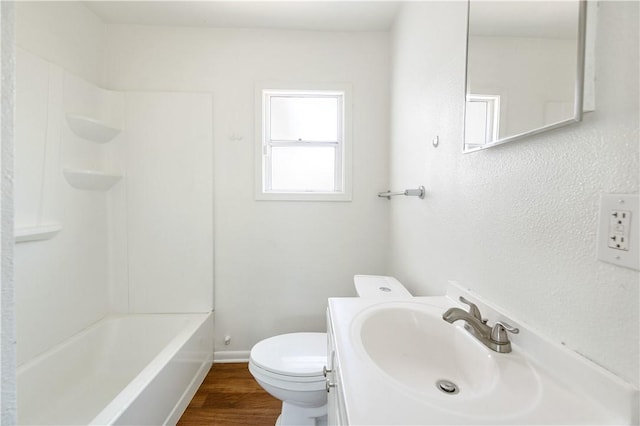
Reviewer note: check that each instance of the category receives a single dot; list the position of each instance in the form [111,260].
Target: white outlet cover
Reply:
[619,202]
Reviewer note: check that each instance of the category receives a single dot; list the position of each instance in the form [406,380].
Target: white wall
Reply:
[65,33]
[517,223]
[276,262]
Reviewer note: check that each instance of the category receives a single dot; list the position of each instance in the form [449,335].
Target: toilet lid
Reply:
[295,354]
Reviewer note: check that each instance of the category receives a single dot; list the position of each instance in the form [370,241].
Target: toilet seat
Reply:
[294,357]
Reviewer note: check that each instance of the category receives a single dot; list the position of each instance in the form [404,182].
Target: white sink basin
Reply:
[387,357]
[420,354]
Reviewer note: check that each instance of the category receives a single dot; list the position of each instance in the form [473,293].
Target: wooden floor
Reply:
[230,396]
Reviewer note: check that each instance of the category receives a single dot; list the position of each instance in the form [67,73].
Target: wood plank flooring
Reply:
[230,396]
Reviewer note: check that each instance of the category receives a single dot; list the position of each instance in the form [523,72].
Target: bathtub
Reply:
[140,369]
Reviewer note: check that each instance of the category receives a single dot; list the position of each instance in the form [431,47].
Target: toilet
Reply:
[290,366]
[380,287]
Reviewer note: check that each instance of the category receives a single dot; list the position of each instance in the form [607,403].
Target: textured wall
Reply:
[517,223]
[7,311]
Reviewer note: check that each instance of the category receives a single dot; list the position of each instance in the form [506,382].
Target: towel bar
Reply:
[408,192]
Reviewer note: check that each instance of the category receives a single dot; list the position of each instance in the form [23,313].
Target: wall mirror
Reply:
[525,69]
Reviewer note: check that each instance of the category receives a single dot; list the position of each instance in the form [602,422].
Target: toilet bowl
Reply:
[290,366]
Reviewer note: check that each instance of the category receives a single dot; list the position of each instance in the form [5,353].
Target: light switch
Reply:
[618,233]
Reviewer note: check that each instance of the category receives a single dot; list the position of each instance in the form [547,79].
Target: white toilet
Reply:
[289,366]
[380,287]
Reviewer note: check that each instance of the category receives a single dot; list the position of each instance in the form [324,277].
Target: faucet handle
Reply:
[473,309]
[499,332]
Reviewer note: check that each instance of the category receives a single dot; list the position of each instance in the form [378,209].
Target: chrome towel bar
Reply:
[408,192]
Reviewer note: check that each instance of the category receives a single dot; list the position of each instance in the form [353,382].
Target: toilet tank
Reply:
[380,287]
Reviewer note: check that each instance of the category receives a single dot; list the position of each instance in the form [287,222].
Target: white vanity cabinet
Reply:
[336,408]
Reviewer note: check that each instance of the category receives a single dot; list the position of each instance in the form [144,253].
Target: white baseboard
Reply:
[220,357]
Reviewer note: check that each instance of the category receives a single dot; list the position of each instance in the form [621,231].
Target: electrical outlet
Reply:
[618,232]
[619,222]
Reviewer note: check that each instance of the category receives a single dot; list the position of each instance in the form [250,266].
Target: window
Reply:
[303,145]
[482,123]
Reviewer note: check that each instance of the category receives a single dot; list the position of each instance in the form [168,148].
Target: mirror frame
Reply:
[578,107]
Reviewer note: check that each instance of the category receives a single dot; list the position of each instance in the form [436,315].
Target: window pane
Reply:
[475,125]
[304,118]
[303,169]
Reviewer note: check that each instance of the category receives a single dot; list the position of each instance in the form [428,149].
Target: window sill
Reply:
[303,196]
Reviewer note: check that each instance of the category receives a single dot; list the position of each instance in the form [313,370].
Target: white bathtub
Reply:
[138,369]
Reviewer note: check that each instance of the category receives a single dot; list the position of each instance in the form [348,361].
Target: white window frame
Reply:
[342,192]
[492,119]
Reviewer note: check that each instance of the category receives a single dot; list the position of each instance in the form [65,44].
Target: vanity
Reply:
[397,362]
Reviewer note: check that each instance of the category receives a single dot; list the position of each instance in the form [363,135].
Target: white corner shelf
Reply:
[92,180]
[37,233]
[91,128]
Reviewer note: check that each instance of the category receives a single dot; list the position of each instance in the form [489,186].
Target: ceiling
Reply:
[537,18]
[319,15]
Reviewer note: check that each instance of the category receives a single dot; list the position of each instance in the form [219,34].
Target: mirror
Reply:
[525,69]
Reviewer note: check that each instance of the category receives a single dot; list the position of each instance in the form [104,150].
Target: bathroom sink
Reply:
[441,364]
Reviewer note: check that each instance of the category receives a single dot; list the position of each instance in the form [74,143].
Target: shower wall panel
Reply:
[61,283]
[163,213]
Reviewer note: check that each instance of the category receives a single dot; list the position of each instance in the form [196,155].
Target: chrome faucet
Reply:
[495,338]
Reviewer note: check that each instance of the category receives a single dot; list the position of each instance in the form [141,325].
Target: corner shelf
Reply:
[91,180]
[36,233]
[91,128]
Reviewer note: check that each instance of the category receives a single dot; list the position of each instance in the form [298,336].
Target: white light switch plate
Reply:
[618,230]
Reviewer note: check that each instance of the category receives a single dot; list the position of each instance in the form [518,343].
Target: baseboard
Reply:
[220,357]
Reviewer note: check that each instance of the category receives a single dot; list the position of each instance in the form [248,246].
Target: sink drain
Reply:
[447,387]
